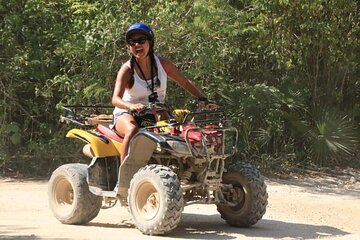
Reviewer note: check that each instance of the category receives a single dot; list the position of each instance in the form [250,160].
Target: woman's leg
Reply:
[127,126]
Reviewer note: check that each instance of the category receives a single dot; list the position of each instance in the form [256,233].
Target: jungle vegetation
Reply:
[287,72]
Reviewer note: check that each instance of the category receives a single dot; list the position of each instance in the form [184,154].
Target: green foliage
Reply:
[332,137]
[271,63]
[12,131]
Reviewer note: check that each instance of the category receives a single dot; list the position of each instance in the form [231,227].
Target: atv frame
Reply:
[170,164]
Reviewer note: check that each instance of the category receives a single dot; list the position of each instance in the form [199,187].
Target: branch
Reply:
[16,102]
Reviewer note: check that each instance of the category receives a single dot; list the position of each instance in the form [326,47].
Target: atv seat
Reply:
[110,133]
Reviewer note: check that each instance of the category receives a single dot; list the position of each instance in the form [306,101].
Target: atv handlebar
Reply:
[90,115]
[157,106]
[206,105]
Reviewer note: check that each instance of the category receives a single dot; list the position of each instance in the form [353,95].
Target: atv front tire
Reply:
[69,197]
[155,199]
[248,197]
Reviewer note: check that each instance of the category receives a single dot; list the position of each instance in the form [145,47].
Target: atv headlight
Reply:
[179,147]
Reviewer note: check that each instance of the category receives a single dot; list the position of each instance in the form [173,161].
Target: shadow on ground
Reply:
[28,237]
[213,227]
[11,232]
[123,224]
[19,237]
[195,226]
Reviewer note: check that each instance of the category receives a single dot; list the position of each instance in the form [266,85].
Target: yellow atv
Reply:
[173,161]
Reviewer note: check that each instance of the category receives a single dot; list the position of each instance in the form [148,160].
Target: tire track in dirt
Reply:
[312,208]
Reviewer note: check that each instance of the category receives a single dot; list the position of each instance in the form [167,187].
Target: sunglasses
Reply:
[133,41]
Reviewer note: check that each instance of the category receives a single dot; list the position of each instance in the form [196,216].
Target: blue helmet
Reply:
[140,28]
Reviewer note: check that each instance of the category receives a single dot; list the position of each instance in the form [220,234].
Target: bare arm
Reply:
[180,79]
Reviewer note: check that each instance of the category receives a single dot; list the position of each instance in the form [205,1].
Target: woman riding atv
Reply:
[141,80]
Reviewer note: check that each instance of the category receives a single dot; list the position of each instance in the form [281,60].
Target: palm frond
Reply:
[332,137]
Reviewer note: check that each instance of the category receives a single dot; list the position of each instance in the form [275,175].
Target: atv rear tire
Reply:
[155,199]
[69,197]
[249,196]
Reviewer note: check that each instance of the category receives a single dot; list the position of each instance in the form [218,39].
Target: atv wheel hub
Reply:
[148,201]
[64,195]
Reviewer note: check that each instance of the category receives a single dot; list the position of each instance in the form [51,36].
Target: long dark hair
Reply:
[153,67]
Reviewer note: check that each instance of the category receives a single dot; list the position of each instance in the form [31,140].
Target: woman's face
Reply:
[139,45]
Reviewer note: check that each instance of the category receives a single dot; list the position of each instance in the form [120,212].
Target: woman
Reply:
[144,75]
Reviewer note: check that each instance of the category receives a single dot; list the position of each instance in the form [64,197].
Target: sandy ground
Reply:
[325,207]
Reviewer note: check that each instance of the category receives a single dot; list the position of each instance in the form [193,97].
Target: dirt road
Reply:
[315,208]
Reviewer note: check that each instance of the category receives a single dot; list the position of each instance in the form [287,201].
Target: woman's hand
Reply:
[205,104]
[137,107]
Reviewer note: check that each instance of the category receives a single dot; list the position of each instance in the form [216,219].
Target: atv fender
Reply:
[141,149]
[100,145]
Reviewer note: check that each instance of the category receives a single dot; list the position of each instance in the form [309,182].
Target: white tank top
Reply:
[140,91]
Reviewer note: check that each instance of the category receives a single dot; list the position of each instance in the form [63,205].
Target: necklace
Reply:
[143,75]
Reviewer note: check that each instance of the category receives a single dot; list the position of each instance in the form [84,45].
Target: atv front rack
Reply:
[211,142]
[207,134]
[211,135]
